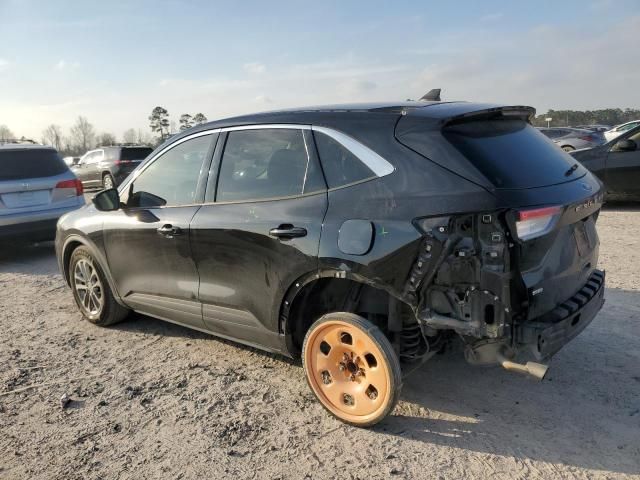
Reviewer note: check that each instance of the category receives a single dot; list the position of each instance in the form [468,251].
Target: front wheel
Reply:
[568,148]
[352,368]
[91,290]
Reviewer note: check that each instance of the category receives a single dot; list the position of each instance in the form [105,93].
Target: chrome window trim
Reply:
[263,126]
[378,165]
[371,159]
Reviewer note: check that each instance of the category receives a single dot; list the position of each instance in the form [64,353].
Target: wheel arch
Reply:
[316,286]
[74,241]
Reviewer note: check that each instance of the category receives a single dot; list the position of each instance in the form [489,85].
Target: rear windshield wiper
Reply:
[573,168]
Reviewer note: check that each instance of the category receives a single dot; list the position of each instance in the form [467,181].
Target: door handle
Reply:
[169,230]
[288,231]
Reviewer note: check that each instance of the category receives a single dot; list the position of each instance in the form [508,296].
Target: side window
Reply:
[341,166]
[262,163]
[86,158]
[172,179]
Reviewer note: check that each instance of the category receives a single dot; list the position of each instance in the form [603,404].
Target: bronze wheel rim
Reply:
[347,371]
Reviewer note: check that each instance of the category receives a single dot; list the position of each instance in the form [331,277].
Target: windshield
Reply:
[512,154]
[30,163]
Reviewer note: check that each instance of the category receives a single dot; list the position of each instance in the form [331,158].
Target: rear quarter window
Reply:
[341,167]
[511,153]
[134,153]
[30,163]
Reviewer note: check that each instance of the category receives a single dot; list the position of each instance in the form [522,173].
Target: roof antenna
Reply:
[432,96]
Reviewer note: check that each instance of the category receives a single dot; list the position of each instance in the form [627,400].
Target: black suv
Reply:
[361,238]
[617,164]
[107,167]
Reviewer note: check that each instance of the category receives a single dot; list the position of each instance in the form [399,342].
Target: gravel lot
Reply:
[153,400]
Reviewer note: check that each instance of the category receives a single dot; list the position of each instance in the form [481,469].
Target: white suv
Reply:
[36,188]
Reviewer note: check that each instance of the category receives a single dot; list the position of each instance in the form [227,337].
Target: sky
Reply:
[114,61]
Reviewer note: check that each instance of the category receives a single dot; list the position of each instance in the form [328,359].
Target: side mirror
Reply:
[626,146]
[107,200]
[75,161]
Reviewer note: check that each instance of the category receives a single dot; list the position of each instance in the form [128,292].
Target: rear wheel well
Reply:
[327,295]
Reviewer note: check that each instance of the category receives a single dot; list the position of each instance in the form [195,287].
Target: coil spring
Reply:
[411,341]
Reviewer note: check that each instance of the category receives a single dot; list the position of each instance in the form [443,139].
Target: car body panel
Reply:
[243,280]
[574,138]
[620,130]
[32,204]
[618,170]
[118,162]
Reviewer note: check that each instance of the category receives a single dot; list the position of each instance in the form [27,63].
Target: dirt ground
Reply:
[153,400]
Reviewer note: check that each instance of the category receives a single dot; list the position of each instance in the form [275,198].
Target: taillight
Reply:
[588,138]
[536,222]
[75,183]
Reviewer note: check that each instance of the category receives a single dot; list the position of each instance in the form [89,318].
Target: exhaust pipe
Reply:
[534,369]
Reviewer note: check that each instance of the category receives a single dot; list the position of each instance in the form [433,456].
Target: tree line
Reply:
[569,118]
[82,136]
[159,122]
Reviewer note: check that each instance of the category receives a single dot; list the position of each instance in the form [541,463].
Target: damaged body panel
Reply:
[418,221]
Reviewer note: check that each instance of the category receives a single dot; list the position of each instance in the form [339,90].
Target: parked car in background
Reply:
[617,164]
[36,188]
[358,237]
[107,167]
[570,139]
[595,128]
[620,129]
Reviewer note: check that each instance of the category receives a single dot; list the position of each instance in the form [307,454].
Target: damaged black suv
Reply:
[359,237]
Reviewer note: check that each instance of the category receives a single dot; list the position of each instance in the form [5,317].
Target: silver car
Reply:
[36,188]
[570,139]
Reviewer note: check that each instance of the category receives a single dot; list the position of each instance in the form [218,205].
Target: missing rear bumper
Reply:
[547,336]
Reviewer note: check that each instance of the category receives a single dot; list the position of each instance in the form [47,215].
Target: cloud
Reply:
[492,17]
[3,64]
[254,68]
[63,64]
[263,99]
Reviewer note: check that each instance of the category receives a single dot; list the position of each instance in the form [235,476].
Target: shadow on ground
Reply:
[622,206]
[590,401]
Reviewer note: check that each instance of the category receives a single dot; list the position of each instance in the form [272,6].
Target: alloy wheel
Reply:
[88,287]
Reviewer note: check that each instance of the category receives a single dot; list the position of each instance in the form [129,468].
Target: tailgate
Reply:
[557,264]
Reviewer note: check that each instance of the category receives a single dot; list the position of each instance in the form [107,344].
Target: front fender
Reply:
[70,243]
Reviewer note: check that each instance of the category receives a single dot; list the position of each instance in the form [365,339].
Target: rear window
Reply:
[135,153]
[30,163]
[511,153]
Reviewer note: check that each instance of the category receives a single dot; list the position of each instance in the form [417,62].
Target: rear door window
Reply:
[30,163]
[511,153]
[262,163]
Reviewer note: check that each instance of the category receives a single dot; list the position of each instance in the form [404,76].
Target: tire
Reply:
[568,148]
[93,296]
[360,382]
[108,182]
